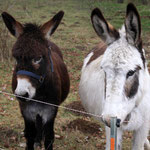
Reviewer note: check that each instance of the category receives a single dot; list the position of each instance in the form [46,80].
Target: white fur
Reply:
[34,109]
[86,60]
[118,59]
[23,87]
[30,111]
[96,76]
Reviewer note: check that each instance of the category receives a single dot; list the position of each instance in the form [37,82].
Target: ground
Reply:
[76,37]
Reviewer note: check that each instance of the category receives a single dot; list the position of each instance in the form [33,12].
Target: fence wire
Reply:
[58,106]
[50,104]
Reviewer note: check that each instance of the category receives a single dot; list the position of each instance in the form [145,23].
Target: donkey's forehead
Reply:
[31,42]
[29,47]
[120,54]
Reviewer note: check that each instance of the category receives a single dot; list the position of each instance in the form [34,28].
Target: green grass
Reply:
[76,37]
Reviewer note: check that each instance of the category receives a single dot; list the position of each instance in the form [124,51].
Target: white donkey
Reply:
[115,81]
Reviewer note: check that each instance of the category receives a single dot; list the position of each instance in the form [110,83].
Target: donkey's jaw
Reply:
[24,88]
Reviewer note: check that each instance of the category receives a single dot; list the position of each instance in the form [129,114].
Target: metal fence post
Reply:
[113,134]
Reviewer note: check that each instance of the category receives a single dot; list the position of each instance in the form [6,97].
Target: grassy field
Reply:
[75,36]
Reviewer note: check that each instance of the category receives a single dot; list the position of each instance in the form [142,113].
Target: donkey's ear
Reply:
[49,27]
[132,24]
[106,31]
[14,26]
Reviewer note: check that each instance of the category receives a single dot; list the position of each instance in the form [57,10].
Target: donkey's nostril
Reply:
[107,121]
[21,95]
[26,95]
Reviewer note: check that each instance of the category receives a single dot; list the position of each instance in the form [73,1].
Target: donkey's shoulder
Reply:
[97,52]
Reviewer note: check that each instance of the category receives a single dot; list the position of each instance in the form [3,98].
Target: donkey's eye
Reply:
[130,73]
[37,60]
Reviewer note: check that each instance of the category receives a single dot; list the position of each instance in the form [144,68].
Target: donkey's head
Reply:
[123,64]
[31,52]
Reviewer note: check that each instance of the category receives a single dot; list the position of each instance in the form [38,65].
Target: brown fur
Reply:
[39,46]
[34,53]
[113,32]
[98,51]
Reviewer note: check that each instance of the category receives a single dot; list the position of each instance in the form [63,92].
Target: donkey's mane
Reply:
[31,27]
[33,31]
[31,42]
[122,31]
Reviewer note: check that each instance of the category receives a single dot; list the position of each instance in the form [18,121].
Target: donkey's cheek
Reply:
[25,88]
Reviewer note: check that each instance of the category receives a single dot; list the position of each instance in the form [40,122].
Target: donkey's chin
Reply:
[119,121]
[124,121]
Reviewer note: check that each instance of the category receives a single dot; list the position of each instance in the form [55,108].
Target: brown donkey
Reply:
[39,73]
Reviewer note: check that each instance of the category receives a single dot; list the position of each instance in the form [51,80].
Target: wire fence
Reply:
[60,106]
[50,104]
[113,128]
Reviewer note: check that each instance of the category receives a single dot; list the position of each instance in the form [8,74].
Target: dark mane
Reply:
[31,27]
[33,31]
[31,42]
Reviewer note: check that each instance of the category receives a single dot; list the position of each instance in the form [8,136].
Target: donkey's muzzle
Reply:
[107,121]
[23,98]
